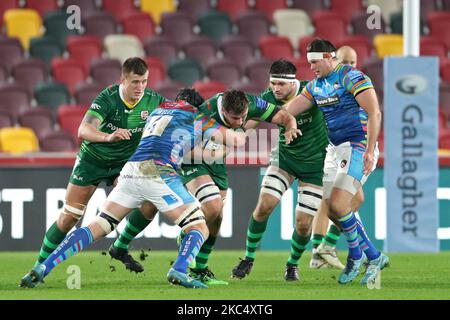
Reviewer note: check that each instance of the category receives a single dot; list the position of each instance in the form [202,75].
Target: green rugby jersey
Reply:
[113,113]
[257,109]
[314,136]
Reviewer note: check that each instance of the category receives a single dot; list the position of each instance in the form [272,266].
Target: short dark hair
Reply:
[234,101]
[191,96]
[135,65]
[320,45]
[282,66]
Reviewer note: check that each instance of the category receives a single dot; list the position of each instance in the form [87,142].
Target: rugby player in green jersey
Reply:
[303,159]
[209,181]
[111,131]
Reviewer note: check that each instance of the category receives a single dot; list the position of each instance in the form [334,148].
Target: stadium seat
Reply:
[268,7]
[442,120]
[123,46]
[68,71]
[6,5]
[42,6]
[207,89]
[178,27]
[360,44]
[51,95]
[106,71]
[388,45]
[224,70]
[439,24]
[445,71]
[292,23]
[39,119]
[45,48]
[215,24]
[252,25]
[168,88]
[30,73]
[69,118]
[86,92]
[185,71]
[99,24]
[258,72]
[276,47]
[359,25]
[157,8]
[233,7]
[7,118]
[303,69]
[430,46]
[237,49]
[329,25]
[14,97]
[303,44]
[23,24]
[345,8]
[248,87]
[157,71]
[374,69]
[120,8]
[18,140]
[444,98]
[202,49]
[11,51]
[139,24]
[444,139]
[84,49]
[309,6]
[3,74]
[86,6]
[194,8]
[55,24]
[162,48]
[57,141]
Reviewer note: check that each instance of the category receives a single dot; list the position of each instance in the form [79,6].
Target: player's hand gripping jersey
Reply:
[335,96]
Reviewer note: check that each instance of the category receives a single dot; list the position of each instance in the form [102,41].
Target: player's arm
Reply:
[369,102]
[251,124]
[300,103]
[88,130]
[284,118]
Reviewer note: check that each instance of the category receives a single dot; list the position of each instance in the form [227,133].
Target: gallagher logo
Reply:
[411,84]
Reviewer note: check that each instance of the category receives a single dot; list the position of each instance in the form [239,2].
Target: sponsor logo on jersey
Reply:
[343,163]
[321,102]
[317,89]
[144,115]
[336,85]
[79,178]
[189,172]
[132,130]
[95,106]
[261,104]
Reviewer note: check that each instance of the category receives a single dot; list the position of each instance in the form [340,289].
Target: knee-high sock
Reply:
[71,245]
[298,246]
[317,240]
[135,224]
[255,233]
[201,261]
[189,249]
[332,236]
[365,244]
[349,226]
[52,239]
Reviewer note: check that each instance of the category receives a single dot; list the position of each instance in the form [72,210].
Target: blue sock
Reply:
[365,244]
[71,245]
[349,227]
[192,242]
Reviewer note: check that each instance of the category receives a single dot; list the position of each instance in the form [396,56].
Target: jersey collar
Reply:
[129,105]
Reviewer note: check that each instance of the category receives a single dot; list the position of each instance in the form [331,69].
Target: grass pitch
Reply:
[410,276]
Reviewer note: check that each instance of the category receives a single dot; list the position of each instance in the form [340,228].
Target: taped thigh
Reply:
[207,192]
[308,199]
[75,210]
[347,183]
[191,216]
[274,183]
[106,221]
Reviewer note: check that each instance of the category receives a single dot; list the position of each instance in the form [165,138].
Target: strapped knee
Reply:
[207,192]
[191,216]
[309,199]
[275,184]
[75,210]
[106,221]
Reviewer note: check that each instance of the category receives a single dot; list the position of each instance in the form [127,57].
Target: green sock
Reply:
[298,245]
[201,259]
[255,233]
[316,240]
[53,237]
[135,224]
[332,236]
